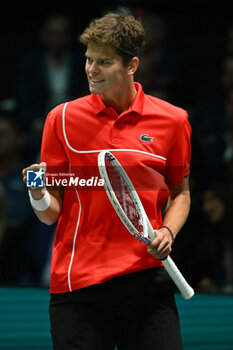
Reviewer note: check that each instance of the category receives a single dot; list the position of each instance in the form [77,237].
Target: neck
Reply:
[120,100]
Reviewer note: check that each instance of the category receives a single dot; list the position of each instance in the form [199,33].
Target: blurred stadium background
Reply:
[190,58]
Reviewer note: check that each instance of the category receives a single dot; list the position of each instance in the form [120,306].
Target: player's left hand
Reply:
[160,248]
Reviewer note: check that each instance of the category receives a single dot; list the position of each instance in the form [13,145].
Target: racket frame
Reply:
[149,235]
[113,199]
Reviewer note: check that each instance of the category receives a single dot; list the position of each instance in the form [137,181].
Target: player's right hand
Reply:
[37,193]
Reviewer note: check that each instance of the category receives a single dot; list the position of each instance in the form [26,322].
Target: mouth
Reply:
[96,82]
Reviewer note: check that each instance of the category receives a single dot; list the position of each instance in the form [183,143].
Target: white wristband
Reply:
[40,204]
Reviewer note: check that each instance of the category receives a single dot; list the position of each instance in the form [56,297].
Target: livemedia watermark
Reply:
[38,179]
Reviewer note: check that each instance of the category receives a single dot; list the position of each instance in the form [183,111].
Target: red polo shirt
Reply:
[151,140]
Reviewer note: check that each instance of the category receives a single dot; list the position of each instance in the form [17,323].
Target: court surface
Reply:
[206,320]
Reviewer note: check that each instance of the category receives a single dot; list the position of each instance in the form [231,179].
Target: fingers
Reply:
[161,246]
[43,166]
[36,192]
[35,166]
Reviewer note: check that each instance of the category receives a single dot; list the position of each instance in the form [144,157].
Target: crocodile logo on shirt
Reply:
[146,138]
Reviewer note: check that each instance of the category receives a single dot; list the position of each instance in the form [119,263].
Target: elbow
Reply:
[47,220]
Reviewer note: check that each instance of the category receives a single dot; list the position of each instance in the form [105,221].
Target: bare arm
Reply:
[176,213]
[53,212]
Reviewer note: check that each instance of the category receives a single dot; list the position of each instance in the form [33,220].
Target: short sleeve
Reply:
[178,160]
[52,149]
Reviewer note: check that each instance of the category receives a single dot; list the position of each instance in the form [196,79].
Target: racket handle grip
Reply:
[185,289]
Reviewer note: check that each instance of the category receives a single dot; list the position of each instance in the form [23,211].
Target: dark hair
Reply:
[124,33]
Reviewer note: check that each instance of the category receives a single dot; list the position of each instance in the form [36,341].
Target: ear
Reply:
[133,65]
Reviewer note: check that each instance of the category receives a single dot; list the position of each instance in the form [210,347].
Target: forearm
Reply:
[49,208]
[177,211]
[50,215]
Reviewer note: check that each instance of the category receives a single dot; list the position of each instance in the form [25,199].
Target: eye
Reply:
[89,60]
[105,62]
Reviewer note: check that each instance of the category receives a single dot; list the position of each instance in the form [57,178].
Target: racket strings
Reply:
[124,197]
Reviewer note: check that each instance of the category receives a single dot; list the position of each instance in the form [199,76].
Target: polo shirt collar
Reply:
[136,106]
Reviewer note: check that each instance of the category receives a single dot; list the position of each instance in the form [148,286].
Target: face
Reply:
[105,70]
[213,206]
[56,35]
[9,141]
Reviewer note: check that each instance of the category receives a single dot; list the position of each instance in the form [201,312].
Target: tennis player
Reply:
[107,288]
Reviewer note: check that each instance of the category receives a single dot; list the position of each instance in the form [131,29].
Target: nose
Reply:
[93,69]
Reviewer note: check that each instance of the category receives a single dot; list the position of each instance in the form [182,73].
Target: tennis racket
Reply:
[129,208]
